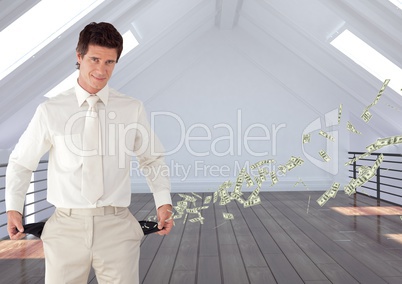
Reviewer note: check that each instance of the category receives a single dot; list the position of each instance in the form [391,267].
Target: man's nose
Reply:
[101,68]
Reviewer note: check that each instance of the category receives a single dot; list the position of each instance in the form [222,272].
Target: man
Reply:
[89,185]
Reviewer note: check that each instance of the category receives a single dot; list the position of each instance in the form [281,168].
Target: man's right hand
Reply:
[14,225]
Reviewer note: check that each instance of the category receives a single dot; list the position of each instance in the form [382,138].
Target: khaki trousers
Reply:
[106,238]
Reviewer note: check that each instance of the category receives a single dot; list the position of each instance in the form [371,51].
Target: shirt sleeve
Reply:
[150,154]
[24,159]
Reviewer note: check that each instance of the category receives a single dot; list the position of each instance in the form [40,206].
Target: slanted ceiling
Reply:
[302,28]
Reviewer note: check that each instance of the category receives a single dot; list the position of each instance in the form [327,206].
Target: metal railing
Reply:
[42,169]
[387,183]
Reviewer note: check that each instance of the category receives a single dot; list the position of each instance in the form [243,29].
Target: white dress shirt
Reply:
[57,127]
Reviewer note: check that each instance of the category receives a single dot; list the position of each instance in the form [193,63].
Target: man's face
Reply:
[96,67]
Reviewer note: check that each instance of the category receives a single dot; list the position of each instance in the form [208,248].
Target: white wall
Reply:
[222,81]
[222,89]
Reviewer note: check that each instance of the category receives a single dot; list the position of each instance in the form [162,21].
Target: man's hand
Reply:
[165,223]
[14,222]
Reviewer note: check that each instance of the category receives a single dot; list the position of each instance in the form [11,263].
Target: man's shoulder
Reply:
[61,98]
[120,97]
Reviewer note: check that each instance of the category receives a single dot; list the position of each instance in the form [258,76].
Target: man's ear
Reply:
[79,57]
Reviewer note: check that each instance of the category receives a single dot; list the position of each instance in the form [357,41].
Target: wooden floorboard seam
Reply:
[238,246]
[218,246]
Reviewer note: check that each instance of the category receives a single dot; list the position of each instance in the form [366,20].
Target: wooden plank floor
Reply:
[286,239]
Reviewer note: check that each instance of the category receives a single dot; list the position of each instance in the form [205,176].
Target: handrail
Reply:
[25,215]
[381,185]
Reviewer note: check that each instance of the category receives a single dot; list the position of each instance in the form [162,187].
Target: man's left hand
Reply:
[165,222]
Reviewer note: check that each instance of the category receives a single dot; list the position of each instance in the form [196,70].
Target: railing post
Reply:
[378,184]
[354,167]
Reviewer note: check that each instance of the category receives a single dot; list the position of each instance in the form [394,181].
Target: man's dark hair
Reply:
[101,34]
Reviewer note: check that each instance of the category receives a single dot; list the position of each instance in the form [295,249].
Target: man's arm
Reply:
[151,158]
[24,159]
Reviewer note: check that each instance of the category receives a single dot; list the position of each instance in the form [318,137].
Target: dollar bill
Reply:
[326,135]
[350,187]
[188,198]
[380,92]
[255,193]
[216,194]
[228,216]
[339,113]
[396,139]
[324,155]
[290,165]
[239,181]
[382,142]
[274,178]
[197,219]
[262,173]
[323,199]
[351,128]
[181,206]
[240,200]
[347,189]
[192,210]
[366,115]
[260,163]
[362,169]
[282,169]
[196,195]
[249,180]
[258,181]
[334,189]
[202,207]
[225,199]
[252,202]
[185,218]
[225,185]
[235,195]
[378,162]
[152,218]
[207,199]
[357,158]
[177,216]
[372,147]
[297,161]
[306,138]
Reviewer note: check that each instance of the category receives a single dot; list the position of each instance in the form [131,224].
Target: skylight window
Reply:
[38,27]
[397,3]
[370,59]
[129,42]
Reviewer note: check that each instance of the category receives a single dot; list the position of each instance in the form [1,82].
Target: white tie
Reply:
[92,169]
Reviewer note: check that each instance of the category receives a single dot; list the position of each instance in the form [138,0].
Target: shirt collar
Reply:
[82,95]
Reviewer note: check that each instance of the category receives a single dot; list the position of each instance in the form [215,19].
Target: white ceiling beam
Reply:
[10,10]
[229,11]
